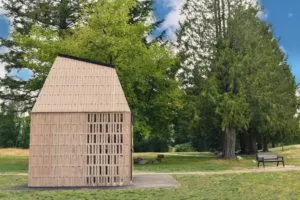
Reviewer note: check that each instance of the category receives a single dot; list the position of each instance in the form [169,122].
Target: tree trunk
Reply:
[229,142]
[242,143]
[248,143]
[265,145]
[216,18]
[219,17]
[273,144]
[245,143]
[223,18]
[252,144]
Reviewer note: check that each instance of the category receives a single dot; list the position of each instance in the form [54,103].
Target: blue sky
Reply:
[3,27]
[283,15]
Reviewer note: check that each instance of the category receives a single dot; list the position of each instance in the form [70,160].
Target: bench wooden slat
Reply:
[268,157]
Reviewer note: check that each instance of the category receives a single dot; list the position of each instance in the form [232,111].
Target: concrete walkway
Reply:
[154,181]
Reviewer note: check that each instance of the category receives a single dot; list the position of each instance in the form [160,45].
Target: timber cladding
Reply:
[73,143]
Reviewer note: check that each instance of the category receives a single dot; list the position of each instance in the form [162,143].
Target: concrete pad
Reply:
[140,181]
[154,181]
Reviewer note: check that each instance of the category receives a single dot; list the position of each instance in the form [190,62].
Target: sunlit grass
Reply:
[13,152]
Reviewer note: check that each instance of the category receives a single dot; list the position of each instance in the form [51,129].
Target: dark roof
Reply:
[85,60]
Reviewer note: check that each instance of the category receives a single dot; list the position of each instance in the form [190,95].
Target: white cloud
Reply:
[283,49]
[290,15]
[3,50]
[2,11]
[171,23]
[263,14]
[2,69]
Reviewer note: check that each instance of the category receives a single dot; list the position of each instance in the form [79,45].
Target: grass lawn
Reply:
[283,185]
[276,185]
[183,163]
[16,161]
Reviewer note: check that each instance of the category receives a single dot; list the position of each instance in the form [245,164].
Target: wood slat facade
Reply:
[78,145]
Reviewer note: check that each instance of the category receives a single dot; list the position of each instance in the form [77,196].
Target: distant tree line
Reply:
[229,87]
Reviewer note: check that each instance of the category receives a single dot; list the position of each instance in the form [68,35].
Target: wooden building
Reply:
[81,132]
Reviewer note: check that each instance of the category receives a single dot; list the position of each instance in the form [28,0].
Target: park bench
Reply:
[269,157]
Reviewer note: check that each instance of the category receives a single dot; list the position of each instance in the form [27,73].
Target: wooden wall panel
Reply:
[80,149]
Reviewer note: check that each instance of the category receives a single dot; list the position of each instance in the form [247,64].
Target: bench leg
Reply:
[257,163]
[264,164]
[283,163]
[277,163]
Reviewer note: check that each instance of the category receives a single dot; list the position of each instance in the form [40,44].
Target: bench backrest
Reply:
[266,156]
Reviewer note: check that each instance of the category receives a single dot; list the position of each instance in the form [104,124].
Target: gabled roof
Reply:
[79,85]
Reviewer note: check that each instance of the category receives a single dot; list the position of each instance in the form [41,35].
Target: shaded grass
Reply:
[283,185]
[181,163]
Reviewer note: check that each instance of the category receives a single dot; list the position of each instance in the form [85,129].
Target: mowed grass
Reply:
[173,163]
[283,185]
[13,160]
[13,164]
[16,161]
[182,163]
[276,185]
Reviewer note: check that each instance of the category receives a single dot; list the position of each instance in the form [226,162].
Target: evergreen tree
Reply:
[269,82]
[204,25]
[225,51]
[250,81]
